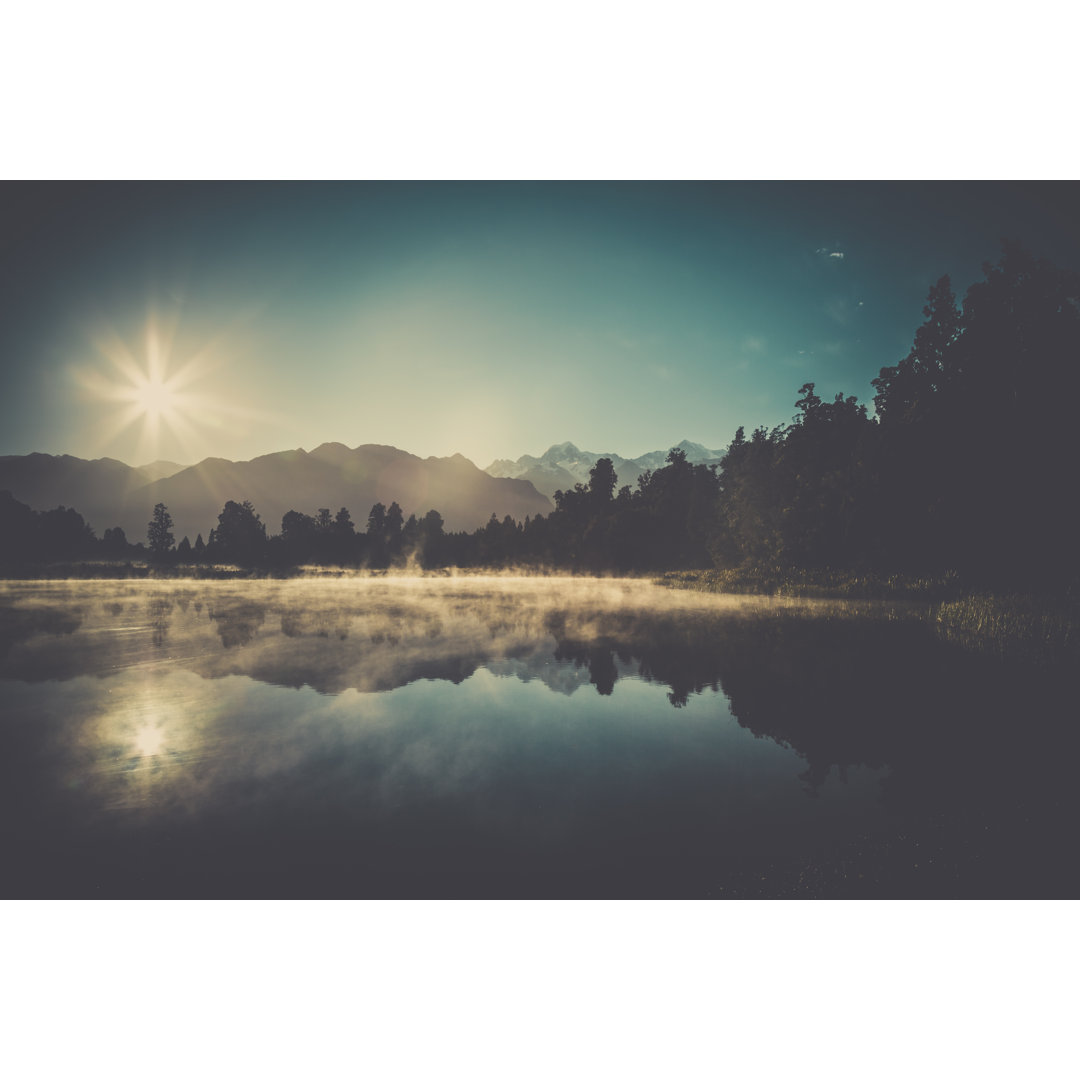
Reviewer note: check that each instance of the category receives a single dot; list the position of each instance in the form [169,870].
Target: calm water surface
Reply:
[501,737]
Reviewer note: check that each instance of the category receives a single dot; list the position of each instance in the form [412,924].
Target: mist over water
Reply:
[500,735]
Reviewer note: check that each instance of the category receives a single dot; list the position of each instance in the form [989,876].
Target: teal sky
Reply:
[486,319]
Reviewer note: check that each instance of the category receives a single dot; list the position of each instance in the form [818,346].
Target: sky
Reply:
[177,321]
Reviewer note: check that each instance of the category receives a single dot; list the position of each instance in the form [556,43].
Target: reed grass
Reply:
[774,581]
[1019,627]
[1043,629]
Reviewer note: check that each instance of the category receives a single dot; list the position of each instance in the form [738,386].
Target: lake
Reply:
[497,736]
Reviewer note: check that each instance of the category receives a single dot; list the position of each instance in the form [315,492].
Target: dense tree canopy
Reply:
[977,448]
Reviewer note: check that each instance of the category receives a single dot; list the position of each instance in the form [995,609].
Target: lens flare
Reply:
[164,390]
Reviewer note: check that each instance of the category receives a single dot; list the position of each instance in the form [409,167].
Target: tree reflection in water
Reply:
[973,761]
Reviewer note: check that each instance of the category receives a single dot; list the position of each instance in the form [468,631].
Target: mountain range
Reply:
[564,465]
[108,493]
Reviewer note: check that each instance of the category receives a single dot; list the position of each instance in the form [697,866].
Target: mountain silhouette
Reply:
[109,493]
[158,470]
[97,488]
[563,465]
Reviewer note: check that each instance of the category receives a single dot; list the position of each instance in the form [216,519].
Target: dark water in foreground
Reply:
[486,737]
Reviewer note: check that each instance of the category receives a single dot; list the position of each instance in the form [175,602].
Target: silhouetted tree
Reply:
[240,536]
[392,528]
[602,480]
[977,428]
[62,533]
[114,542]
[343,538]
[751,501]
[905,393]
[376,536]
[159,537]
[410,536]
[18,531]
[432,550]
[675,512]
[376,522]
[823,480]
[299,536]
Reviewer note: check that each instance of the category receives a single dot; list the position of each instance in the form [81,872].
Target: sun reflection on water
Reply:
[149,739]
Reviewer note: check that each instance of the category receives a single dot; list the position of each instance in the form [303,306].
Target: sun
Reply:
[163,395]
[151,390]
[156,399]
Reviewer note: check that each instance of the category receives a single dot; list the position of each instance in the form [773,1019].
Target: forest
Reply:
[968,466]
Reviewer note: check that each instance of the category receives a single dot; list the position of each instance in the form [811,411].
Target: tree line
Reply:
[968,465]
[665,523]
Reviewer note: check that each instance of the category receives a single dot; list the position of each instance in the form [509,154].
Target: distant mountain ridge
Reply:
[158,470]
[563,465]
[45,481]
[109,493]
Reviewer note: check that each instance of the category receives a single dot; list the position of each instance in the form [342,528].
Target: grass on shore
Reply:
[825,584]
[1015,627]
[1033,628]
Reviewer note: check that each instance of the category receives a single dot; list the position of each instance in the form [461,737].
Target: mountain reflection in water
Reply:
[499,736]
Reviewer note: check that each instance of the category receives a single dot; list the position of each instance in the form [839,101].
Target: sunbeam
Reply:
[168,395]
